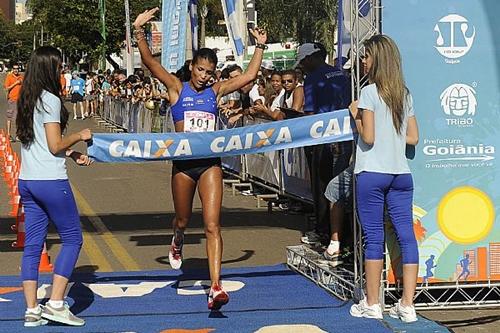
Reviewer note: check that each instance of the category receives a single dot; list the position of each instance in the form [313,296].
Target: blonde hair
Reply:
[387,74]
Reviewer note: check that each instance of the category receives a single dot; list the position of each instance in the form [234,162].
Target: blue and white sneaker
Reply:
[362,309]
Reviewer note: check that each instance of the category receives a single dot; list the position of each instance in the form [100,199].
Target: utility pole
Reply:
[128,41]
[203,14]
[102,11]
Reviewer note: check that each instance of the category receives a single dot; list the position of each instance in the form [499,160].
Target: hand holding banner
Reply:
[306,131]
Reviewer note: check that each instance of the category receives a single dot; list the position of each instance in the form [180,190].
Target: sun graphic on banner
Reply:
[465,215]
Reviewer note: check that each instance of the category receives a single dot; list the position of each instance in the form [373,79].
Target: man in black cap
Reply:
[326,89]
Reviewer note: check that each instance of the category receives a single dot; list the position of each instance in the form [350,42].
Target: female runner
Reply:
[194,109]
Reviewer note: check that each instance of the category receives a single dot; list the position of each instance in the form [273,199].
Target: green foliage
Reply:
[299,20]
[215,13]
[75,26]
[6,38]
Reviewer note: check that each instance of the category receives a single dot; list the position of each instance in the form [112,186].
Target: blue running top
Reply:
[190,100]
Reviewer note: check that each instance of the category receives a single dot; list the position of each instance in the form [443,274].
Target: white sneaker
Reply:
[366,311]
[175,254]
[406,313]
[61,315]
[34,319]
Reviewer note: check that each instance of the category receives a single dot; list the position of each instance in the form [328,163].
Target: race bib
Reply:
[76,88]
[199,121]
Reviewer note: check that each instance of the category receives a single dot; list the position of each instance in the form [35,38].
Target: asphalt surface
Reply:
[126,212]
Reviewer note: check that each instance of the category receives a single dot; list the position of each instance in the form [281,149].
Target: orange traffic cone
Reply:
[16,204]
[3,146]
[8,166]
[45,265]
[19,243]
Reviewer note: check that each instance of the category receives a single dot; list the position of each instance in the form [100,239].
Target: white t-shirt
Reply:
[88,86]
[68,78]
[277,101]
[388,153]
[254,94]
[37,162]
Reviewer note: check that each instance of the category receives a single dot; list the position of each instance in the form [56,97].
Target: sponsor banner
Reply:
[451,66]
[174,17]
[346,26]
[305,131]
[156,37]
[231,15]
[193,15]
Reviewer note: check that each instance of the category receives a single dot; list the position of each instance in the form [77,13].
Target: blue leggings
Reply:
[373,191]
[43,200]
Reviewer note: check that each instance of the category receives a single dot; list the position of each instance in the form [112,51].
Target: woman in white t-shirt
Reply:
[386,124]
[44,187]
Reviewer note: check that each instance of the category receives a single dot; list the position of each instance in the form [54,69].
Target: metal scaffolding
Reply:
[347,281]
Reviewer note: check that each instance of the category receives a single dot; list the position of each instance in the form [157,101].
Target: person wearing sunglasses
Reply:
[12,85]
[292,101]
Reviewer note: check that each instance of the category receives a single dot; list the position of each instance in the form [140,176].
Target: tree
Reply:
[302,21]
[325,27]
[7,38]
[214,15]
[74,26]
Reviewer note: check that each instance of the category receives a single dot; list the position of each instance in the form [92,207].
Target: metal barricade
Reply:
[134,117]
[284,172]
[232,164]
[296,175]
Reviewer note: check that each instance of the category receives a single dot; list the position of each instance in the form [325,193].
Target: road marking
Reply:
[118,250]
[94,253]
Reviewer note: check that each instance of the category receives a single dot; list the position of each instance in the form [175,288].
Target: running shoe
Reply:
[217,297]
[362,309]
[61,315]
[313,238]
[175,254]
[34,319]
[332,259]
[407,314]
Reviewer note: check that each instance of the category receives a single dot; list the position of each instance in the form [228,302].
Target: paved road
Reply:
[126,214]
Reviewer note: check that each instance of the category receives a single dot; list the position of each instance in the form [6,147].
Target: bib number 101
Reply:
[199,121]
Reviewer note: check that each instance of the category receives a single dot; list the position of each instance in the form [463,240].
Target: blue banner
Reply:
[193,15]
[174,17]
[306,131]
[452,67]
[232,23]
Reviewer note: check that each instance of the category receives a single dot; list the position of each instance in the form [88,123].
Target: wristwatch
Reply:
[261,46]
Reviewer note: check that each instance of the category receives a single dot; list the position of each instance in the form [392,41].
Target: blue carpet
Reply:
[172,301]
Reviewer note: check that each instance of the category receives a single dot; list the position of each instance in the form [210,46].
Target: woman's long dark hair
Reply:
[43,72]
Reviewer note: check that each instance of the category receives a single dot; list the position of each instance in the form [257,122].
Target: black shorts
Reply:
[76,97]
[194,168]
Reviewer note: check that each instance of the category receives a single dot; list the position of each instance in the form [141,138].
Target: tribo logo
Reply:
[455,37]
[459,101]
